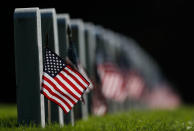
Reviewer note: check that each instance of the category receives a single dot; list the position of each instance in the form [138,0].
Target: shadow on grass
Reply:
[8,122]
[12,122]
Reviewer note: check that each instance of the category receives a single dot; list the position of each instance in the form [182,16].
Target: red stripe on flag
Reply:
[55,87]
[112,82]
[70,83]
[78,75]
[66,88]
[55,102]
[72,76]
[54,94]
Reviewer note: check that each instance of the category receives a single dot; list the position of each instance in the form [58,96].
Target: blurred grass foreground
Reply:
[180,119]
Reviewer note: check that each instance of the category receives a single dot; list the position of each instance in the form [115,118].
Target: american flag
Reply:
[113,82]
[61,84]
[83,72]
[99,106]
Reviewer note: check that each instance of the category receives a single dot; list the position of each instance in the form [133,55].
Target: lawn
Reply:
[181,119]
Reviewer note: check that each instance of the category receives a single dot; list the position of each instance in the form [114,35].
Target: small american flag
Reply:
[135,84]
[61,84]
[83,72]
[112,82]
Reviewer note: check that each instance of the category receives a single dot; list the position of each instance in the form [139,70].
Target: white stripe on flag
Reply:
[115,86]
[109,84]
[105,83]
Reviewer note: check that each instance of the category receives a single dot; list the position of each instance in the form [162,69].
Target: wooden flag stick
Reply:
[85,107]
[72,117]
[49,112]
[61,119]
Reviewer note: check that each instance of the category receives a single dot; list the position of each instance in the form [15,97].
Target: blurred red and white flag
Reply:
[134,84]
[99,106]
[162,96]
[112,82]
[83,72]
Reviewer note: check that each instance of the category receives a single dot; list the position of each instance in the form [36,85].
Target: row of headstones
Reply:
[34,29]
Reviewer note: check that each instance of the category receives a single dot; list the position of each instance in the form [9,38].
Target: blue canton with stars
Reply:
[53,64]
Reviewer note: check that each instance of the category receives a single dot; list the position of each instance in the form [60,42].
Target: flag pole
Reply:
[49,112]
[49,102]
[72,117]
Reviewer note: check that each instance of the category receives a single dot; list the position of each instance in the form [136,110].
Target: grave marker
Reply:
[90,57]
[63,21]
[50,38]
[28,66]
[81,110]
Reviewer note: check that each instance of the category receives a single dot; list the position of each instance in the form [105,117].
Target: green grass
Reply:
[181,119]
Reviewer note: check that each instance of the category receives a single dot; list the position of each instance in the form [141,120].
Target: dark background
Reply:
[162,28]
